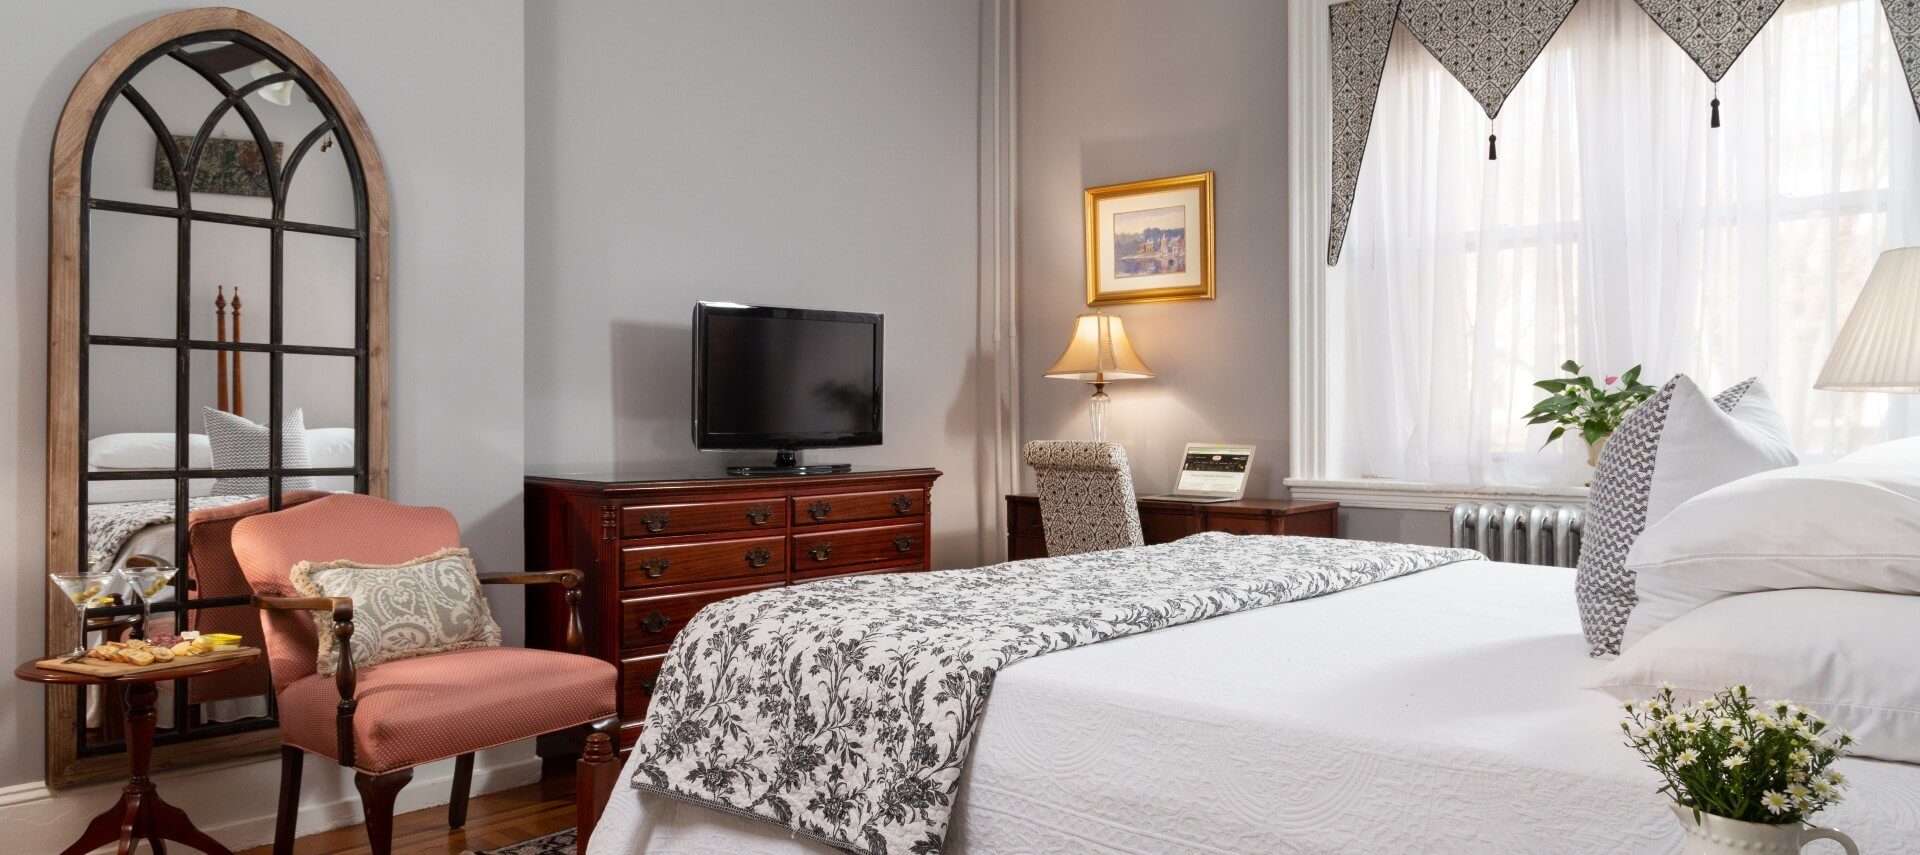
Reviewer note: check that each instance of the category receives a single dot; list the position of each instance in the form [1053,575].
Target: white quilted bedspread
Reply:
[1436,713]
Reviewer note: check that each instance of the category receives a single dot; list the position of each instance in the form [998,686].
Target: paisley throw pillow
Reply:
[428,605]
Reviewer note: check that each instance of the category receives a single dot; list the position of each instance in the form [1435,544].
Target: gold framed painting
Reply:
[1150,241]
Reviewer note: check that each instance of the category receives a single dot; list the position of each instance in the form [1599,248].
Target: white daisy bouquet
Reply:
[1732,756]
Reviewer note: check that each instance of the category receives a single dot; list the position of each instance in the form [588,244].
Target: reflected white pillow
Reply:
[331,448]
[1847,655]
[1846,526]
[112,492]
[146,451]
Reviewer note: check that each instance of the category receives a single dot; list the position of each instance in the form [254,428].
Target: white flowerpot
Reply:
[1718,835]
[1595,447]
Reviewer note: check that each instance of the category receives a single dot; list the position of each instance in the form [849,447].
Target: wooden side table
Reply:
[140,814]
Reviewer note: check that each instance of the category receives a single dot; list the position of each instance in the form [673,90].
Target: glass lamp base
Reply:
[1097,412]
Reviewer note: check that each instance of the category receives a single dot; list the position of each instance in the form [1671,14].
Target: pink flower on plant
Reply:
[1612,380]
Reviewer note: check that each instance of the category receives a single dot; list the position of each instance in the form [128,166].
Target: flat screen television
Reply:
[767,378]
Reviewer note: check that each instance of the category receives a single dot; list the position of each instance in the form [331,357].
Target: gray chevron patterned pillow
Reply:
[1672,447]
[238,443]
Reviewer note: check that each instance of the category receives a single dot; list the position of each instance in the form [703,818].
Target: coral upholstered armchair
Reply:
[384,720]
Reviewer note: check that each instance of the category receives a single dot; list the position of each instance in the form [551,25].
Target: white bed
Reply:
[1439,712]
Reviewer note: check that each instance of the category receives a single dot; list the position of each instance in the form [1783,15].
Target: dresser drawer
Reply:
[678,564]
[637,674]
[653,621]
[702,518]
[826,508]
[815,550]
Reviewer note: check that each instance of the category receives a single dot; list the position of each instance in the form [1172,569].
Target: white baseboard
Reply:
[236,804]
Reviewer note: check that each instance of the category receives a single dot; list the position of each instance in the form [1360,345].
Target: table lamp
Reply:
[1879,347]
[1099,353]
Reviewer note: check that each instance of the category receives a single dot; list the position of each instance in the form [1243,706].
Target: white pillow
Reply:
[1673,446]
[1847,526]
[146,451]
[332,448]
[1899,452]
[1846,655]
[113,492]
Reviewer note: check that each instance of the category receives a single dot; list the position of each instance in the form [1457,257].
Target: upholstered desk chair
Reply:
[1086,496]
[387,719]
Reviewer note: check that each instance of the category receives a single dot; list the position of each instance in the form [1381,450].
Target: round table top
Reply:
[32,672]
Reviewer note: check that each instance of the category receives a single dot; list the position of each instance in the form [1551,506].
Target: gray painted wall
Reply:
[819,154]
[1113,91]
[440,83]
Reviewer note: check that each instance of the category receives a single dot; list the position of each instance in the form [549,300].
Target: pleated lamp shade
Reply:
[1879,347]
[1099,352]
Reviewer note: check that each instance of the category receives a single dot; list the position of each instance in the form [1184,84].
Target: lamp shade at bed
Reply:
[1879,347]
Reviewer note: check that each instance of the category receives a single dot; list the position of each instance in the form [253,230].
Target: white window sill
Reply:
[1411,496]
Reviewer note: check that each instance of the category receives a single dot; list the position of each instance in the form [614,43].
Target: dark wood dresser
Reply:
[657,546]
[1162,520]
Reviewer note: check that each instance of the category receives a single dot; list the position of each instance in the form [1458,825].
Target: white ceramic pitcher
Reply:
[1718,835]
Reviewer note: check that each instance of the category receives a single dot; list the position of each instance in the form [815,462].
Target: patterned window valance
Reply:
[1488,45]
[1903,18]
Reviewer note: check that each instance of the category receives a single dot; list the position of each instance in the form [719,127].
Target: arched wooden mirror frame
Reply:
[68,338]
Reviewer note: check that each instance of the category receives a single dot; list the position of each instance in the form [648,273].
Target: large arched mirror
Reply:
[217,349]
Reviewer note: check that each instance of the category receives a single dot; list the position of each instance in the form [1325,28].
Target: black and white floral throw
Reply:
[845,709]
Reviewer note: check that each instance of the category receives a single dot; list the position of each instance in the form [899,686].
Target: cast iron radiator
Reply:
[1530,534]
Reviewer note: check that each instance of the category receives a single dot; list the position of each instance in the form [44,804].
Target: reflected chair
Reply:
[1086,496]
[387,719]
[213,572]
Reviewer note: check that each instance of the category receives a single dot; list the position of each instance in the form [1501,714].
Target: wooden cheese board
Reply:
[111,670]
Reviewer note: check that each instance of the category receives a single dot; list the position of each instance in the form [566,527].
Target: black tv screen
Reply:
[771,378]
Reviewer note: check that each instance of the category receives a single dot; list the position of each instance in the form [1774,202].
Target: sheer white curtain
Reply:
[1617,228]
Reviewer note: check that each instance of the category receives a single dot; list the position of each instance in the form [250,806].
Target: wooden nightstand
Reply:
[1164,521]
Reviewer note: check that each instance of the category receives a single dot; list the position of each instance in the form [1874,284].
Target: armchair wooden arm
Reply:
[569,579]
[344,677]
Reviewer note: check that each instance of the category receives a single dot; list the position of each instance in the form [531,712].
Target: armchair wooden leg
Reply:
[462,784]
[292,762]
[377,793]
[595,775]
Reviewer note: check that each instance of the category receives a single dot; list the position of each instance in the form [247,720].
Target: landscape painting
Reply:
[1146,243]
[1150,241]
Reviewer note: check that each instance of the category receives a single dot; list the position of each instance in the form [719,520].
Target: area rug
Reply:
[557,843]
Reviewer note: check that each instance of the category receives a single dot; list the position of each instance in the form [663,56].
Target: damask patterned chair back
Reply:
[1086,496]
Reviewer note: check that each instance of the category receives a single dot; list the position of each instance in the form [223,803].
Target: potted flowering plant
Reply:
[1744,775]
[1594,409]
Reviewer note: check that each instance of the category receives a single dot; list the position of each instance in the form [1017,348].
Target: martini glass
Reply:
[87,591]
[146,583]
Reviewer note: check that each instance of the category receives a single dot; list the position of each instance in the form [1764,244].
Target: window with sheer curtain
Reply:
[1617,228]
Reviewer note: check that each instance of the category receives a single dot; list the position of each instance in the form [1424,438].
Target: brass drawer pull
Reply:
[758,557]
[902,504]
[646,685]
[654,622]
[655,521]
[903,543]
[820,551]
[819,509]
[759,514]
[654,568]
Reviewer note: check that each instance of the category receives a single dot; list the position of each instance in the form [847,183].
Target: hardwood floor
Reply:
[495,819]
